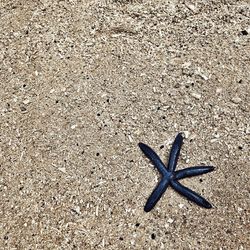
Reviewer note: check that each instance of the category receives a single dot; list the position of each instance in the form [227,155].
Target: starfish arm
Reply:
[193,171]
[175,152]
[191,195]
[155,159]
[156,194]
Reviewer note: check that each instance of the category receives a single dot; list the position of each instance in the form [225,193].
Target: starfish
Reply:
[171,177]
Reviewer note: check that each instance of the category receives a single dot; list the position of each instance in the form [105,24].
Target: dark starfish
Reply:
[171,177]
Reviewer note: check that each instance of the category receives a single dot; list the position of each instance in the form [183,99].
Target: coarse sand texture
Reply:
[82,82]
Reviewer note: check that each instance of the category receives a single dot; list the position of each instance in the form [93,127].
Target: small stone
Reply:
[203,76]
[240,209]
[216,136]
[248,130]
[77,209]
[200,73]
[213,140]
[218,90]
[130,138]
[181,205]
[89,44]
[191,7]
[244,32]
[236,100]
[62,170]
[196,95]
[26,101]
[23,109]
[170,220]
[186,134]
[241,247]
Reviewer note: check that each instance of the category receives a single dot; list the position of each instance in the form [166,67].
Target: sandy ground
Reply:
[82,82]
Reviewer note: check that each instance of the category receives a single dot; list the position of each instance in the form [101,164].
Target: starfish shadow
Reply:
[171,177]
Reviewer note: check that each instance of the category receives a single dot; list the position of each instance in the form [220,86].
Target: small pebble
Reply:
[77,209]
[236,100]
[248,130]
[23,108]
[240,209]
[170,220]
[218,90]
[191,7]
[196,95]
[241,247]
[181,205]
[213,140]
[186,134]
[26,101]
[62,170]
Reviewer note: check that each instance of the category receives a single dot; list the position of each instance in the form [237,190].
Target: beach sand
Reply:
[83,82]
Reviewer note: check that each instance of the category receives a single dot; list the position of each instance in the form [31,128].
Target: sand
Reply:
[83,82]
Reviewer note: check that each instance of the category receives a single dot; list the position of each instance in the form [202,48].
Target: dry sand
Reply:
[82,82]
